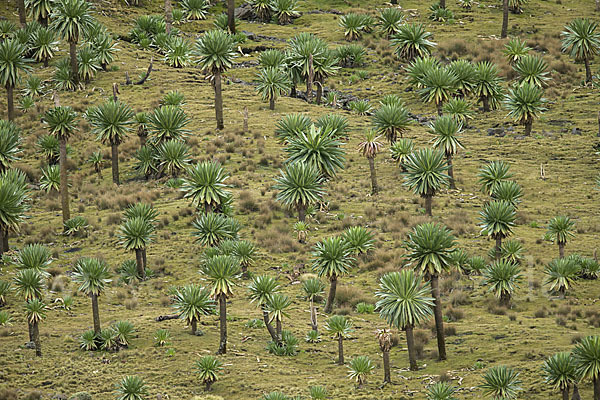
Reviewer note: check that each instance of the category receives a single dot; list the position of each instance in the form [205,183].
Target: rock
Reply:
[576,131]
[199,333]
[244,11]
[59,396]
[520,137]
[499,131]
[30,345]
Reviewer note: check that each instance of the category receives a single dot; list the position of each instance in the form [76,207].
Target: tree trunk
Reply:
[439,321]
[301,212]
[194,324]
[410,343]
[387,376]
[309,79]
[245,127]
[139,260]
[505,299]
[168,16]
[498,247]
[208,384]
[504,32]
[30,328]
[598,119]
[374,188]
[565,393]
[231,16]
[597,388]
[272,103]
[114,149]
[561,250]
[144,259]
[588,75]
[451,171]
[4,243]
[576,395]
[46,62]
[36,339]
[278,330]
[319,92]
[331,297]
[439,105]
[223,324]
[597,5]
[95,314]
[74,66]
[269,326]
[442,3]
[22,12]
[486,104]
[528,125]
[394,2]
[10,102]
[218,101]
[313,316]
[428,201]
[64,180]
[341,350]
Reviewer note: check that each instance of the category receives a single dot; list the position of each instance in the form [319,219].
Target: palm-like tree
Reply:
[384,337]
[359,239]
[92,274]
[215,52]
[391,120]
[312,289]
[35,311]
[426,174]
[136,234]
[582,42]
[142,120]
[132,387]
[447,130]
[400,151]
[369,148]
[411,41]
[514,49]
[39,10]
[497,221]
[487,85]
[272,83]
[29,283]
[111,121]
[586,355]
[509,191]
[503,277]
[501,383]
[359,370]
[208,368]
[10,141]
[277,304]
[14,203]
[332,258]
[404,303]
[261,289]
[205,185]
[492,174]
[525,103]
[317,147]
[439,84]
[560,231]
[339,327]
[300,185]
[221,273]
[191,302]
[561,274]
[167,123]
[61,123]
[532,69]
[390,20]
[560,373]
[72,19]
[212,229]
[172,157]
[12,64]
[430,247]
[34,256]
[441,391]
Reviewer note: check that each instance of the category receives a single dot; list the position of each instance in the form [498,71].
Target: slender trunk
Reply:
[394,1]
[597,388]
[231,16]
[223,324]
[208,384]
[22,12]
[309,80]
[168,16]
[588,75]
[301,212]
[30,328]
[46,62]
[528,125]
[194,324]
[36,339]
[95,314]
[505,299]
[597,5]
[598,119]
[269,326]
[64,180]
[1,246]
[10,102]
[74,66]
[576,395]
[387,376]
[451,171]
[374,188]
[218,100]
[486,103]
[561,250]
[565,392]
[139,260]
[319,92]
[246,118]
[428,201]
[272,103]
[442,3]
[498,247]
[504,32]
[144,259]
[341,350]
[313,316]
[114,149]
[439,321]
[279,329]
[439,107]
[410,343]
[5,246]
[331,297]
[293,91]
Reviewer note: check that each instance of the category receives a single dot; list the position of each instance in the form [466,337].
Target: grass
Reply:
[486,335]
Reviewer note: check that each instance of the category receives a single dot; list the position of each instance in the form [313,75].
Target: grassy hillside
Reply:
[481,334]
